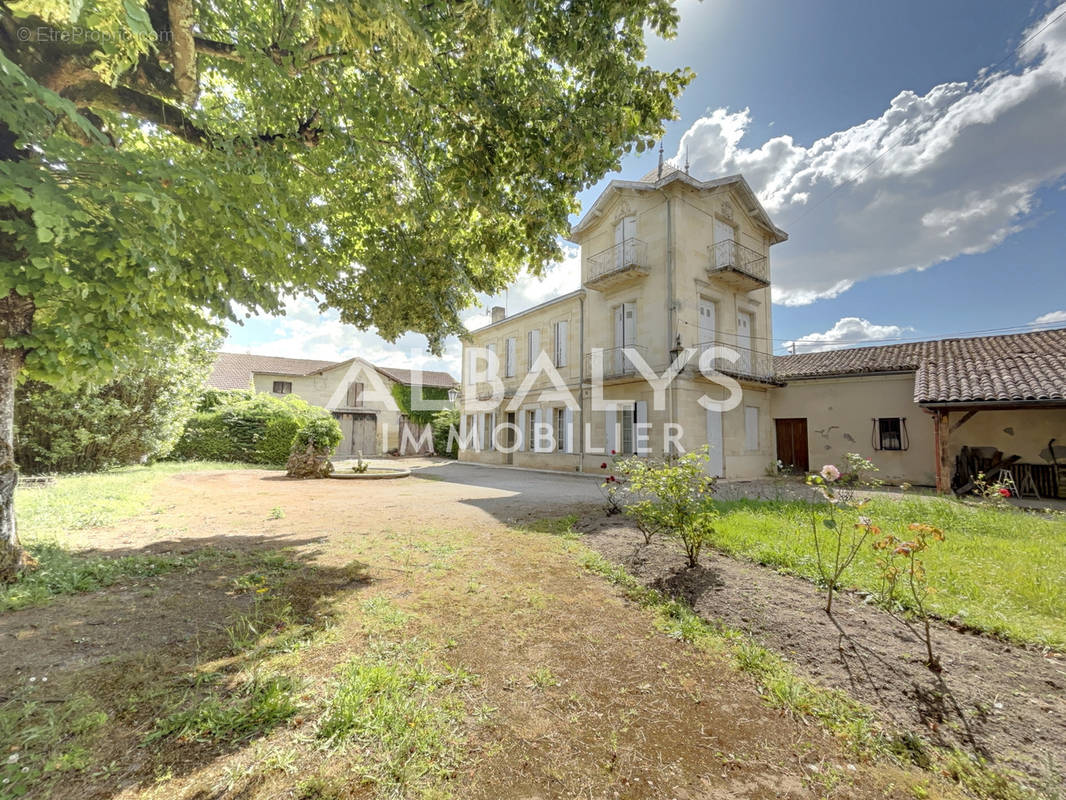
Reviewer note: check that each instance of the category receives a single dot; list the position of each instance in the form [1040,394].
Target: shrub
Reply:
[137,416]
[322,433]
[674,498]
[444,422]
[247,427]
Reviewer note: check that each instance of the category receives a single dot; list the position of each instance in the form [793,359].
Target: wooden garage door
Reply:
[792,443]
[360,434]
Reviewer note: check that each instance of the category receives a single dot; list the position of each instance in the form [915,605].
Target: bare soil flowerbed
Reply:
[1001,701]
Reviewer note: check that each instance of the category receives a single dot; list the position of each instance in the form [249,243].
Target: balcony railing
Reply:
[749,361]
[616,362]
[628,258]
[741,267]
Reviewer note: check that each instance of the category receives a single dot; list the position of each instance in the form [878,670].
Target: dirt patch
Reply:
[576,692]
[1003,702]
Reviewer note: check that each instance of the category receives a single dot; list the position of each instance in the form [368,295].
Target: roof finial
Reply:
[686,159]
[659,175]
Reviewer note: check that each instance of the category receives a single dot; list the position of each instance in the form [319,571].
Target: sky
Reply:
[915,152]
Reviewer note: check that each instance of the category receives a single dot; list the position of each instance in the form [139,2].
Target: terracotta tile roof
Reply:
[1014,367]
[234,370]
[441,380]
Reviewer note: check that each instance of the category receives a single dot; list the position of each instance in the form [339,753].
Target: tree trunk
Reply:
[12,556]
[16,316]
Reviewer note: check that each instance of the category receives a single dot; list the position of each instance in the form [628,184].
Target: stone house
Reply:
[358,393]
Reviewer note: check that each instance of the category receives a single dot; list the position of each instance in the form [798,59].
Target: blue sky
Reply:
[960,227]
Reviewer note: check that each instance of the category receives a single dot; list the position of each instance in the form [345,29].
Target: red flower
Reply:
[612,452]
[610,479]
[603,465]
[1005,492]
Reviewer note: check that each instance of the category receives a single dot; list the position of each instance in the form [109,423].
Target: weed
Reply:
[403,714]
[382,615]
[277,512]
[542,678]
[254,708]
[40,738]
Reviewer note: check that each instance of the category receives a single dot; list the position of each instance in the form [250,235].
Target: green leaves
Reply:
[393,159]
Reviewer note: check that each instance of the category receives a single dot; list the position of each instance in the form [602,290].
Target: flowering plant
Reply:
[904,582]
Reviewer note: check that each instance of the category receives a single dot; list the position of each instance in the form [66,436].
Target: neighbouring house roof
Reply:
[1020,367]
[651,183]
[442,380]
[235,370]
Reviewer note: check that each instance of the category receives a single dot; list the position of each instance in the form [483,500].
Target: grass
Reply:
[402,714]
[852,722]
[63,572]
[77,502]
[45,737]
[1001,571]
[255,706]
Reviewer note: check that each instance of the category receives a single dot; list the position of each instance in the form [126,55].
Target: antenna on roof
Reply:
[659,175]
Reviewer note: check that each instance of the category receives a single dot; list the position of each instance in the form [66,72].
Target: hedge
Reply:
[246,427]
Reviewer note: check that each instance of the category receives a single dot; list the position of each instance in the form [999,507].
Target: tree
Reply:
[139,414]
[162,162]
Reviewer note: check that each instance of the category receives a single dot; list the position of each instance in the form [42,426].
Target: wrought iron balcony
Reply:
[739,267]
[626,261]
[749,362]
[616,362]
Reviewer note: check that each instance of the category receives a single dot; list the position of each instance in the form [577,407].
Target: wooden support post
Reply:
[963,420]
[941,436]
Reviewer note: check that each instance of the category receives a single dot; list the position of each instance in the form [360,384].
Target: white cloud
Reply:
[1051,318]
[954,171]
[305,332]
[847,332]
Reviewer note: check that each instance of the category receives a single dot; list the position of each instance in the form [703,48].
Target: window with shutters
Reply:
[629,418]
[531,430]
[562,342]
[282,387]
[509,358]
[533,341]
[561,432]
[355,394]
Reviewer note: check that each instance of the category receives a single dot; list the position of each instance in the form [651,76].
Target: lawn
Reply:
[323,655]
[998,570]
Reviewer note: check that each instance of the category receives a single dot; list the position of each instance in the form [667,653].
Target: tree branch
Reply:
[183,47]
[151,109]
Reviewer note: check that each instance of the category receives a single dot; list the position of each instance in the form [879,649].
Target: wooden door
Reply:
[792,443]
[360,434]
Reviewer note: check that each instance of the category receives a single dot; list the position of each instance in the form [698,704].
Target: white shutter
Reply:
[562,342]
[481,432]
[522,429]
[642,419]
[538,420]
[510,357]
[629,324]
[534,347]
[715,441]
[611,416]
[568,425]
[751,428]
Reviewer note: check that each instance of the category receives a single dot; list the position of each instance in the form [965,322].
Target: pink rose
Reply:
[830,473]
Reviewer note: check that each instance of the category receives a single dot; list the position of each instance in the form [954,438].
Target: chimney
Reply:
[498,313]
